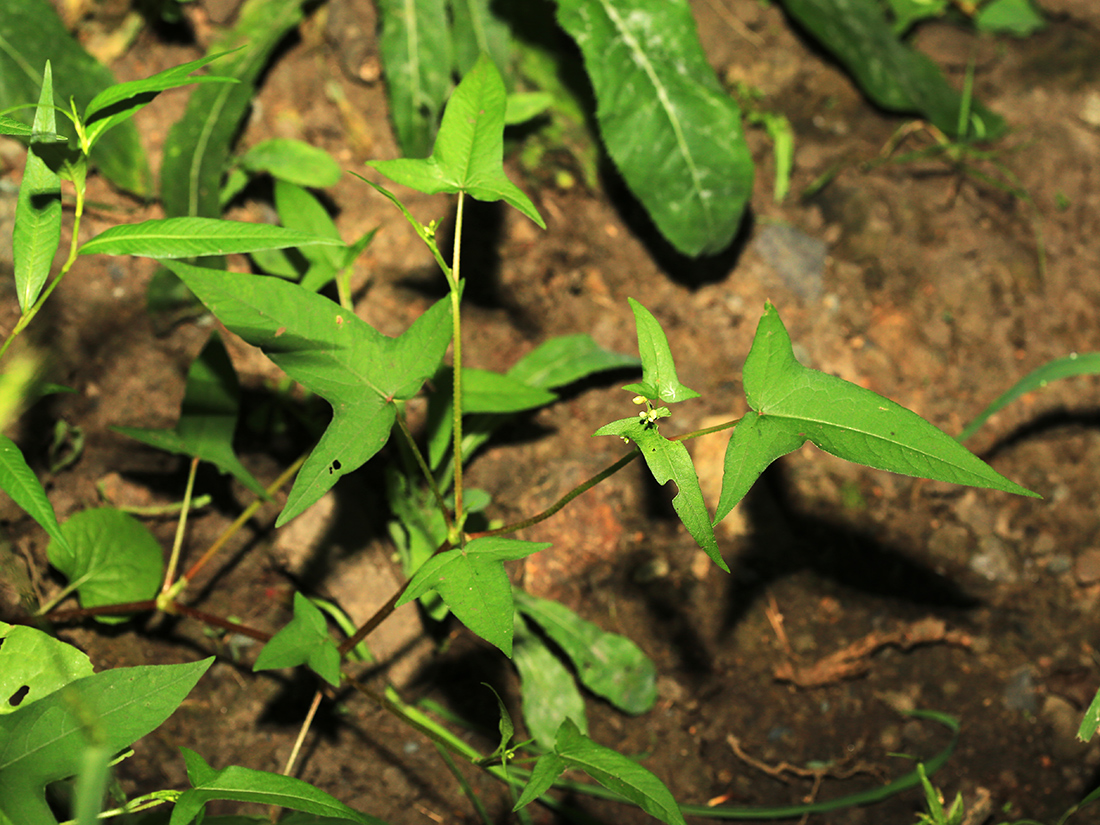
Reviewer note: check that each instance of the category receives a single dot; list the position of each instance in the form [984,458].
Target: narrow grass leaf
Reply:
[567,359]
[19,481]
[673,132]
[33,665]
[304,641]
[331,352]
[415,44]
[293,161]
[37,230]
[550,694]
[1068,367]
[473,583]
[669,461]
[194,237]
[659,381]
[609,665]
[469,150]
[109,558]
[44,741]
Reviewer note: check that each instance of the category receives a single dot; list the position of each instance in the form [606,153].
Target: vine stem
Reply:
[457,537]
[181,527]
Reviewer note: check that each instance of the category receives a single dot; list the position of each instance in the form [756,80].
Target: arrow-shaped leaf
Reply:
[473,583]
[659,381]
[332,352]
[304,641]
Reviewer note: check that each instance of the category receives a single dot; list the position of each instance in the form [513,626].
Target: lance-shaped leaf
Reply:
[795,404]
[37,230]
[669,126]
[18,480]
[304,641]
[332,352]
[469,149]
[550,694]
[473,583]
[45,741]
[208,417]
[669,461]
[610,768]
[293,161]
[659,381]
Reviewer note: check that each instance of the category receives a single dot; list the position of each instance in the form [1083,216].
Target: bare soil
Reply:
[938,290]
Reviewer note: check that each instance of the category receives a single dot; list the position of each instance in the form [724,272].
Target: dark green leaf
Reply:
[550,695]
[669,461]
[193,237]
[19,481]
[37,230]
[113,559]
[45,741]
[607,664]
[566,359]
[208,417]
[473,583]
[304,641]
[890,73]
[292,161]
[333,353]
[30,34]
[659,381]
[33,665]
[469,149]
[415,44]
[673,132]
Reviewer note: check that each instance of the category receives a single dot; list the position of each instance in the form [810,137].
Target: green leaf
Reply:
[473,583]
[11,126]
[659,381]
[19,481]
[550,695]
[671,129]
[292,161]
[333,353]
[30,34]
[197,150]
[1067,367]
[890,73]
[565,360]
[239,784]
[795,404]
[476,30]
[415,45]
[113,559]
[304,641]
[33,665]
[607,664]
[611,769]
[37,230]
[45,741]
[208,417]
[193,237]
[908,12]
[1016,17]
[121,101]
[469,149]
[669,461]
[484,391]
[1089,722]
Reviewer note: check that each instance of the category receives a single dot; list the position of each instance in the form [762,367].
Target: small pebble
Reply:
[1087,567]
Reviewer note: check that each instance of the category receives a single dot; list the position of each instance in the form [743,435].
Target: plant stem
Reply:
[424,468]
[302,734]
[457,537]
[181,527]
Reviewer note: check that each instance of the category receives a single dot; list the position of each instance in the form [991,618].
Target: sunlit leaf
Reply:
[304,641]
[33,665]
[659,381]
[19,481]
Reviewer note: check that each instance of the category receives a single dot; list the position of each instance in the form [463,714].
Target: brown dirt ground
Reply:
[932,295]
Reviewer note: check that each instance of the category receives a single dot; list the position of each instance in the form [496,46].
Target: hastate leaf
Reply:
[669,126]
[304,641]
[659,381]
[669,461]
[795,404]
[469,149]
[332,352]
[473,583]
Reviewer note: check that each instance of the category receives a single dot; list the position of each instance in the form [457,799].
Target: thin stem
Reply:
[456,315]
[467,789]
[717,428]
[181,527]
[380,615]
[424,468]
[302,733]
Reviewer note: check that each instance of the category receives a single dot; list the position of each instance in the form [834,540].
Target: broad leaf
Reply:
[113,559]
[659,381]
[567,359]
[469,149]
[331,352]
[415,45]
[473,583]
[795,404]
[33,665]
[550,694]
[260,787]
[37,230]
[19,481]
[304,641]
[607,664]
[669,461]
[30,34]
[611,769]
[671,129]
[292,161]
[45,741]
[1016,17]
[194,237]
[208,417]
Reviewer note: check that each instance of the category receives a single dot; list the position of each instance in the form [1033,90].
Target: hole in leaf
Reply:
[335,466]
[17,698]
